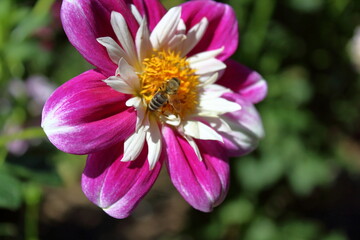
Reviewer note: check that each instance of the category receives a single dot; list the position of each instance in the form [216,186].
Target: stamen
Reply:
[161,73]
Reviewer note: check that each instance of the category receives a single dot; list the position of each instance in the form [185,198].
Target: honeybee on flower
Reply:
[121,113]
[165,94]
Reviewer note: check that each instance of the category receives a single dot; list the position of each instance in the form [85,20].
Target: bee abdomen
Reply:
[159,99]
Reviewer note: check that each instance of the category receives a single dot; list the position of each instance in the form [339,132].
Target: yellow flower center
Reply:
[169,75]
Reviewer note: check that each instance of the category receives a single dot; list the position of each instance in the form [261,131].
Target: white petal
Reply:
[207,66]
[214,91]
[181,28]
[176,41]
[127,73]
[137,103]
[122,33]
[132,102]
[171,119]
[114,50]
[166,28]
[194,36]
[209,80]
[142,41]
[217,123]
[213,107]
[136,13]
[193,144]
[119,85]
[153,139]
[240,136]
[134,144]
[244,139]
[249,122]
[205,55]
[199,130]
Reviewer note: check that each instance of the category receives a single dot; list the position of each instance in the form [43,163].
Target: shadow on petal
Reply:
[117,186]
[241,79]
[203,184]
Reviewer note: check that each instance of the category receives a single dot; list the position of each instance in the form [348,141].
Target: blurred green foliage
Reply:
[32,45]
[310,116]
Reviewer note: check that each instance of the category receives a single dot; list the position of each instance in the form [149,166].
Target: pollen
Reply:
[158,70]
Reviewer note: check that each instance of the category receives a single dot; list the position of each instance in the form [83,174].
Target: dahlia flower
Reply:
[176,60]
[354,49]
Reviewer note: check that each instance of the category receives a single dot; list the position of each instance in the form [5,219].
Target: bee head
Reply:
[172,85]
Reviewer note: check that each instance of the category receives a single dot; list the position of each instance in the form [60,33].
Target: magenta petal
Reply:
[203,184]
[222,30]
[84,115]
[247,121]
[153,9]
[84,21]
[248,83]
[117,186]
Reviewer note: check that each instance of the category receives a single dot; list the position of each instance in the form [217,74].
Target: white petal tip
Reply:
[126,159]
[151,166]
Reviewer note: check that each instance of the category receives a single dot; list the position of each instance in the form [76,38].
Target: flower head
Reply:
[163,91]
[354,49]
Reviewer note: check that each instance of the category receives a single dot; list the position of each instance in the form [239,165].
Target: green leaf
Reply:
[3,153]
[10,190]
[298,229]
[8,230]
[309,173]
[45,176]
[306,5]
[237,212]
[28,133]
[335,236]
[262,228]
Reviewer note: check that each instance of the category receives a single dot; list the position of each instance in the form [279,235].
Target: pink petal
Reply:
[153,9]
[117,186]
[85,20]
[203,184]
[248,83]
[222,30]
[247,121]
[84,115]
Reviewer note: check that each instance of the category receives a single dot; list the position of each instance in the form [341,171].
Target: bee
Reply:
[164,94]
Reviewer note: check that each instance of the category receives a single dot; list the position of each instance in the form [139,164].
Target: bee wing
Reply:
[174,102]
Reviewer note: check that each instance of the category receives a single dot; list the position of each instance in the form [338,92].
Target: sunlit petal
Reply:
[166,28]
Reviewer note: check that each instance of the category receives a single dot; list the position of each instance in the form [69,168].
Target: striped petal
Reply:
[241,79]
[85,115]
[152,9]
[203,184]
[84,21]
[246,125]
[222,30]
[117,186]
[237,140]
